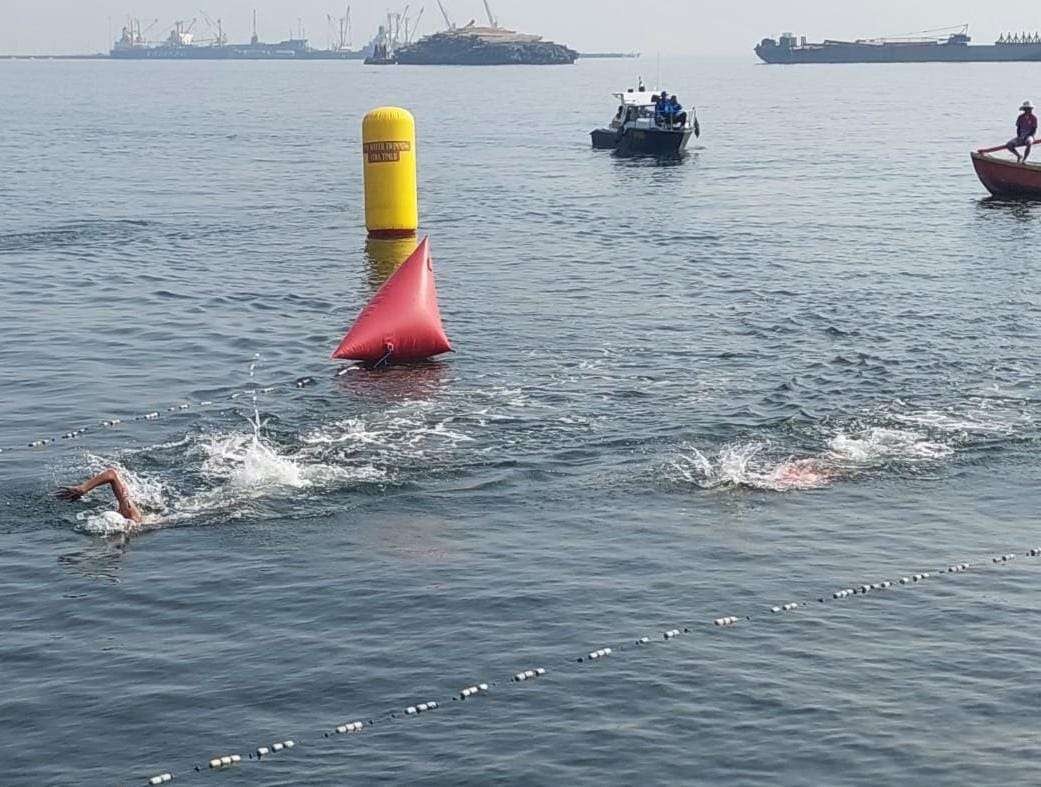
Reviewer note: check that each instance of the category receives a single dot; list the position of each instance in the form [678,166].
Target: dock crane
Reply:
[142,33]
[220,39]
[444,13]
[401,25]
[415,25]
[491,17]
[341,28]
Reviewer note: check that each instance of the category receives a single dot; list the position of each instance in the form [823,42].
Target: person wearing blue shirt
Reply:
[676,112]
[662,108]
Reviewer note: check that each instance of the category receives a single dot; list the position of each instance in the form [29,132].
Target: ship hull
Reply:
[230,53]
[899,53]
[504,57]
[1007,178]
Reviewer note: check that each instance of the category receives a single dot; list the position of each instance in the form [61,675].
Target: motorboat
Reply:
[638,129]
[1004,177]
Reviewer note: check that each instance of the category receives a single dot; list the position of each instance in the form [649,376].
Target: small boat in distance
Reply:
[636,128]
[1003,177]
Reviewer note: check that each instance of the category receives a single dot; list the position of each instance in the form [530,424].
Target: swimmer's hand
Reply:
[70,493]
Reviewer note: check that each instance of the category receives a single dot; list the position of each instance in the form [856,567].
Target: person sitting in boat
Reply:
[1026,128]
[619,117]
[660,105]
[676,111]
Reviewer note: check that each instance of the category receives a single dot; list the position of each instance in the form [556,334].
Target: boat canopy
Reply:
[636,98]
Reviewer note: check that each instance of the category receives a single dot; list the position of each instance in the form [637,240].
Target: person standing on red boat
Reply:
[1026,127]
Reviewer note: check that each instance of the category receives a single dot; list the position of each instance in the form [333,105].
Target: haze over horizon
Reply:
[708,28]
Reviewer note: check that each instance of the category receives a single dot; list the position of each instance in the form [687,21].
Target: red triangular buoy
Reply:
[402,322]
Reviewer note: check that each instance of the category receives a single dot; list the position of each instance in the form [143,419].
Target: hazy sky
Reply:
[707,27]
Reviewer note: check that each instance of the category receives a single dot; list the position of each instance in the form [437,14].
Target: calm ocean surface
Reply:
[646,354]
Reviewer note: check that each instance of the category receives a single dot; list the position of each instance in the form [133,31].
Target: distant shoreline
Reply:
[98,56]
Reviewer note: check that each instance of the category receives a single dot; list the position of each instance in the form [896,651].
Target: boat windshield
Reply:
[641,98]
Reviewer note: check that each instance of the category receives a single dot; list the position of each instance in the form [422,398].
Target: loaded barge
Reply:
[484,46]
[956,47]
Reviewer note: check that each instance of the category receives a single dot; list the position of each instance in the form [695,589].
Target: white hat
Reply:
[1026,105]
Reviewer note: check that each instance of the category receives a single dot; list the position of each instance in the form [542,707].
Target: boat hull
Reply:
[641,142]
[1007,178]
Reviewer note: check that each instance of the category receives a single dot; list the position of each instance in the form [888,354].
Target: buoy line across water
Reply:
[518,680]
[183,406]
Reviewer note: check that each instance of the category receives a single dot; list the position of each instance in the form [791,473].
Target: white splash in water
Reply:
[879,444]
[104,523]
[741,465]
[243,461]
[972,418]
[246,461]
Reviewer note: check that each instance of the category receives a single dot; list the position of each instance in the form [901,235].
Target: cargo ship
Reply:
[954,47]
[182,44]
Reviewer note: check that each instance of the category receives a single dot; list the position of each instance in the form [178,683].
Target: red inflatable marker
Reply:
[402,322]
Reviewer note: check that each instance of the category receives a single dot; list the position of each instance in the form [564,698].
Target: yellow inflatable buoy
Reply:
[391,192]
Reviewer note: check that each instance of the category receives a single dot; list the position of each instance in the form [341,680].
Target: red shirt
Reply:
[1026,126]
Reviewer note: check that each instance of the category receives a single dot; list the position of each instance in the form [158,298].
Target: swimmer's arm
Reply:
[119,489]
[110,476]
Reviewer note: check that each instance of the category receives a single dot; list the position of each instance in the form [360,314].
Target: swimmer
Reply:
[803,474]
[127,509]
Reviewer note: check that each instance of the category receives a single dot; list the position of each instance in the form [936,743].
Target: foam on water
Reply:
[104,523]
[882,439]
[245,461]
[977,417]
[880,444]
[235,468]
[742,465]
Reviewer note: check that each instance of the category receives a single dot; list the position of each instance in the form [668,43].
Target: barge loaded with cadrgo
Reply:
[484,46]
[955,47]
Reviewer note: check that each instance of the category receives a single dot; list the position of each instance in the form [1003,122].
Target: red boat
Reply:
[1005,178]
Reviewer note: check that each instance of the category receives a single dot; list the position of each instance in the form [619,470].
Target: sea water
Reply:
[802,359]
